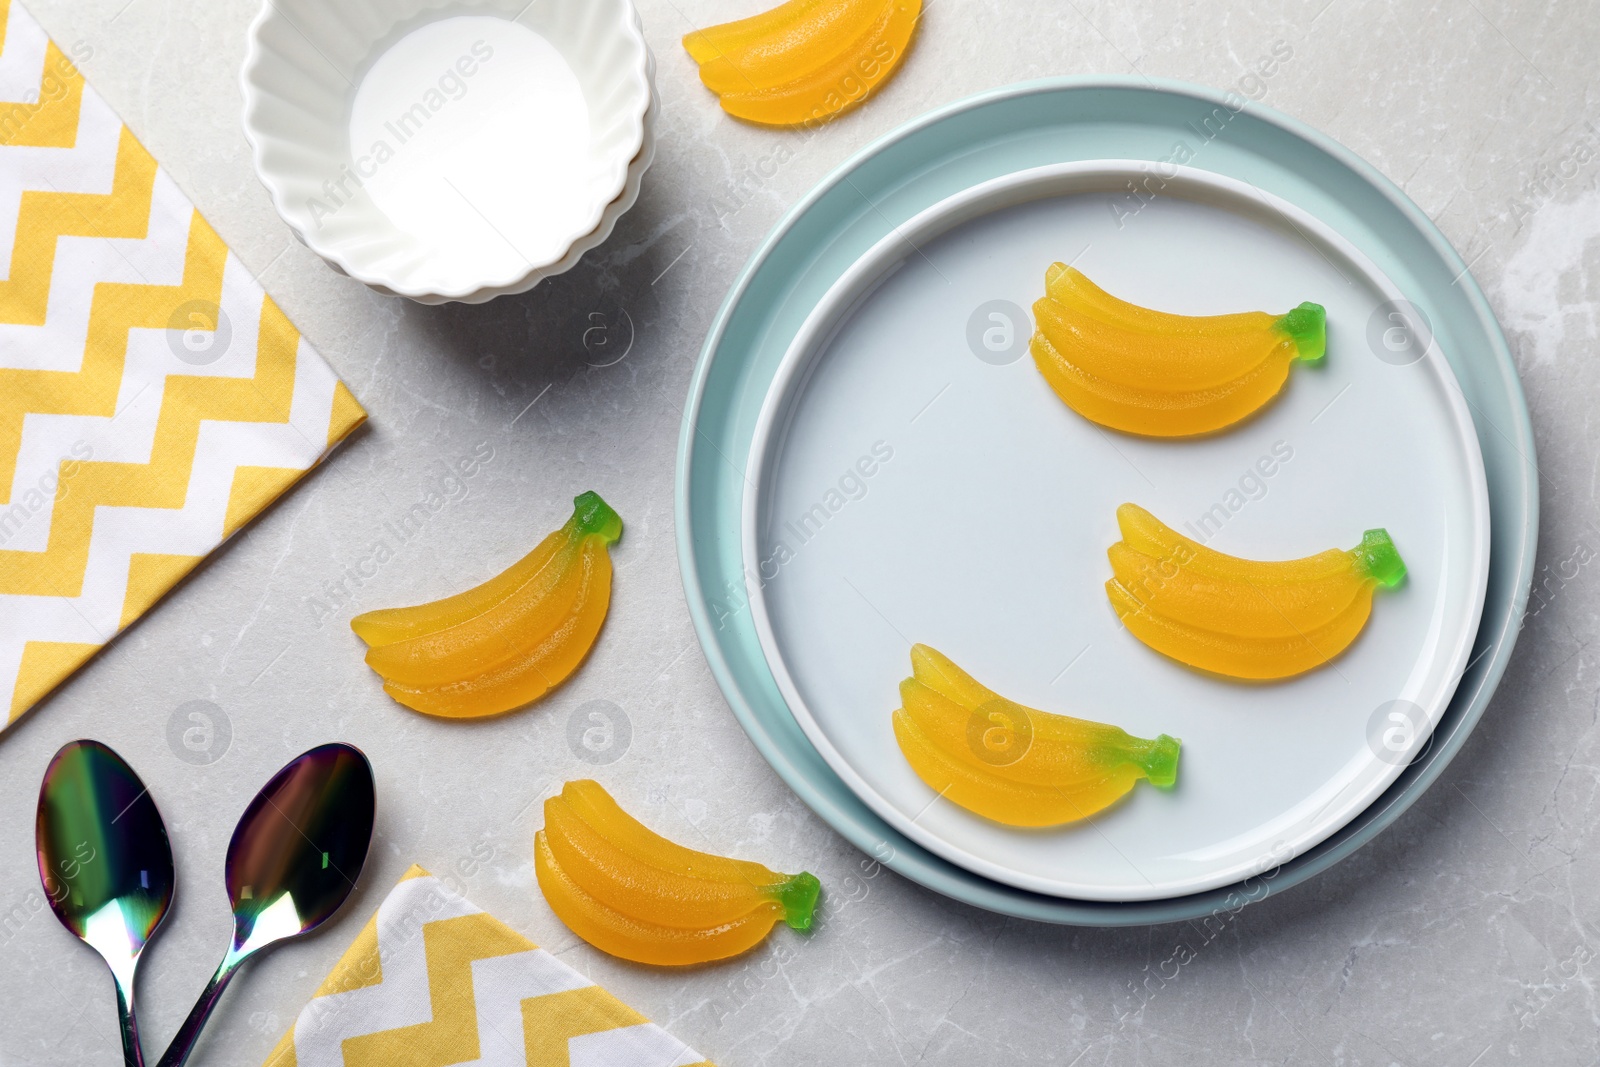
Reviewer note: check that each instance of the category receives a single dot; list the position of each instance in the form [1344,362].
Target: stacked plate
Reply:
[908,476]
[450,152]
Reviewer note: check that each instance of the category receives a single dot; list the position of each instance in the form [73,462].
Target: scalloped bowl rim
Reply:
[642,75]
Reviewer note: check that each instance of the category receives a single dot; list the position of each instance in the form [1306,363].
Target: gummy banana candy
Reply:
[507,642]
[804,61]
[1162,375]
[634,894]
[1014,764]
[1239,617]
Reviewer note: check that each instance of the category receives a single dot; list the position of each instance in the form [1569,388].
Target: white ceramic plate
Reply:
[926,485]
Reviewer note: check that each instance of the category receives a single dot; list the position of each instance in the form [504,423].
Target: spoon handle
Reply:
[188,1034]
[132,1054]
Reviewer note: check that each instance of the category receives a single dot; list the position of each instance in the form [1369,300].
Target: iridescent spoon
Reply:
[105,863]
[294,858]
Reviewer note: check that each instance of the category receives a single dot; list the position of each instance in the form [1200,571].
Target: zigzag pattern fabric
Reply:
[432,980]
[153,399]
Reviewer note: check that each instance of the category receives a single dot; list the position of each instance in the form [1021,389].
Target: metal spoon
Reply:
[293,860]
[105,863]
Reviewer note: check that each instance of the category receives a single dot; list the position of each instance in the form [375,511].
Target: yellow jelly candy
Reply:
[804,61]
[1161,375]
[506,642]
[632,893]
[1239,617]
[1014,764]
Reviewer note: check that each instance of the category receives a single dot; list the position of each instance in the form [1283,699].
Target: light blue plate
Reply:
[997,133]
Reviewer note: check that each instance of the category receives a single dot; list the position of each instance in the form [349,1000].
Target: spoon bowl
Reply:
[105,863]
[299,846]
[294,859]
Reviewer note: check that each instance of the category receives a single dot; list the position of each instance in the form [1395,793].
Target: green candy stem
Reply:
[798,895]
[1308,326]
[591,515]
[1378,559]
[1159,758]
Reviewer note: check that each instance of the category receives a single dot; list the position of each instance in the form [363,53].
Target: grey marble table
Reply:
[1465,934]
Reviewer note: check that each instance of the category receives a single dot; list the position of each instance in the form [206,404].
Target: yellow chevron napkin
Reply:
[153,398]
[432,981]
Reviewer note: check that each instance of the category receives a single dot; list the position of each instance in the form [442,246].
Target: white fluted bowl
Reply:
[608,220]
[449,151]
